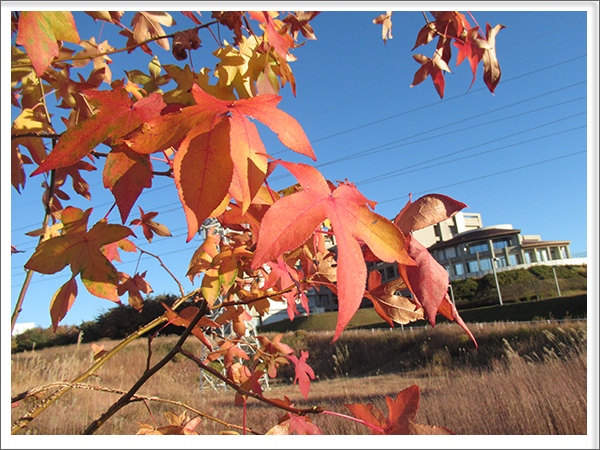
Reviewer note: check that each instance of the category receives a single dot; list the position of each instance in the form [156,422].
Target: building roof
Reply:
[474,235]
[533,244]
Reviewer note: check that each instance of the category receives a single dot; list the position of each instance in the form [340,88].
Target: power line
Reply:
[436,103]
[404,170]
[379,148]
[487,176]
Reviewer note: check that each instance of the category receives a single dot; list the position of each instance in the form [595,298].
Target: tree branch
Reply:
[126,398]
[24,420]
[111,52]
[135,398]
[239,390]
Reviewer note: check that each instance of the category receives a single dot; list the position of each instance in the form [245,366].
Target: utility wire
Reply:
[487,176]
[406,170]
[359,127]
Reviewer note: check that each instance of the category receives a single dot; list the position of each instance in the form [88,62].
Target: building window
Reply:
[501,243]
[527,258]
[542,255]
[486,264]
[473,266]
[563,252]
[514,260]
[474,248]
[450,252]
[458,268]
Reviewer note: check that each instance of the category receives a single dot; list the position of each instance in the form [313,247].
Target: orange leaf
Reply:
[149,226]
[126,173]
[391,307]
[117,115]
[427,210]
[203,172]
[134,286]
[400,418]
[81,250]
[62,301]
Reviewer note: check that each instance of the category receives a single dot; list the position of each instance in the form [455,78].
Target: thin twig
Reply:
[165,267]
[136,398]
[111,52]
[24,420]
[239,390]
[126,398]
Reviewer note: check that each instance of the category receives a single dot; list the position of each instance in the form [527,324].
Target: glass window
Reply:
[527,258]
[542,255]
[473,266]
[486,264]
[458,268]
[450,252]
[501,261]
[474,248]
[501,243]
[514,260]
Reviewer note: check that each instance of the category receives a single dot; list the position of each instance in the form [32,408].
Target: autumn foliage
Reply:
[275,245]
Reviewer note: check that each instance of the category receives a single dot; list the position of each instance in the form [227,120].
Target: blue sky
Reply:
[519,156]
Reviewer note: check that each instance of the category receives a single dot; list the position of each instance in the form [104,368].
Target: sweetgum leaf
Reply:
[303,372]
[62,301]
[117,115]
[39,32]
[401,413]
[81,250]
[427,210]
[291,220]
[491,66]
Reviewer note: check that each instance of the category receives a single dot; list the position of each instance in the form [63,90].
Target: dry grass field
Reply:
[541,393]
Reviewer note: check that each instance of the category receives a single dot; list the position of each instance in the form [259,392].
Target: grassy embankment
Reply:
[554,308]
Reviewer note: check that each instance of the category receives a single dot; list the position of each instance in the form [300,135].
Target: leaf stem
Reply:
[370,425]
[165,267]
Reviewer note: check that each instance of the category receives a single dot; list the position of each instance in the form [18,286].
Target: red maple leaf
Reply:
[117,115]
[294,218]
[401,413]
[303,372]
[219,149]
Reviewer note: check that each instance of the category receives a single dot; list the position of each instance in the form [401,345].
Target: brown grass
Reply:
[541,394]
